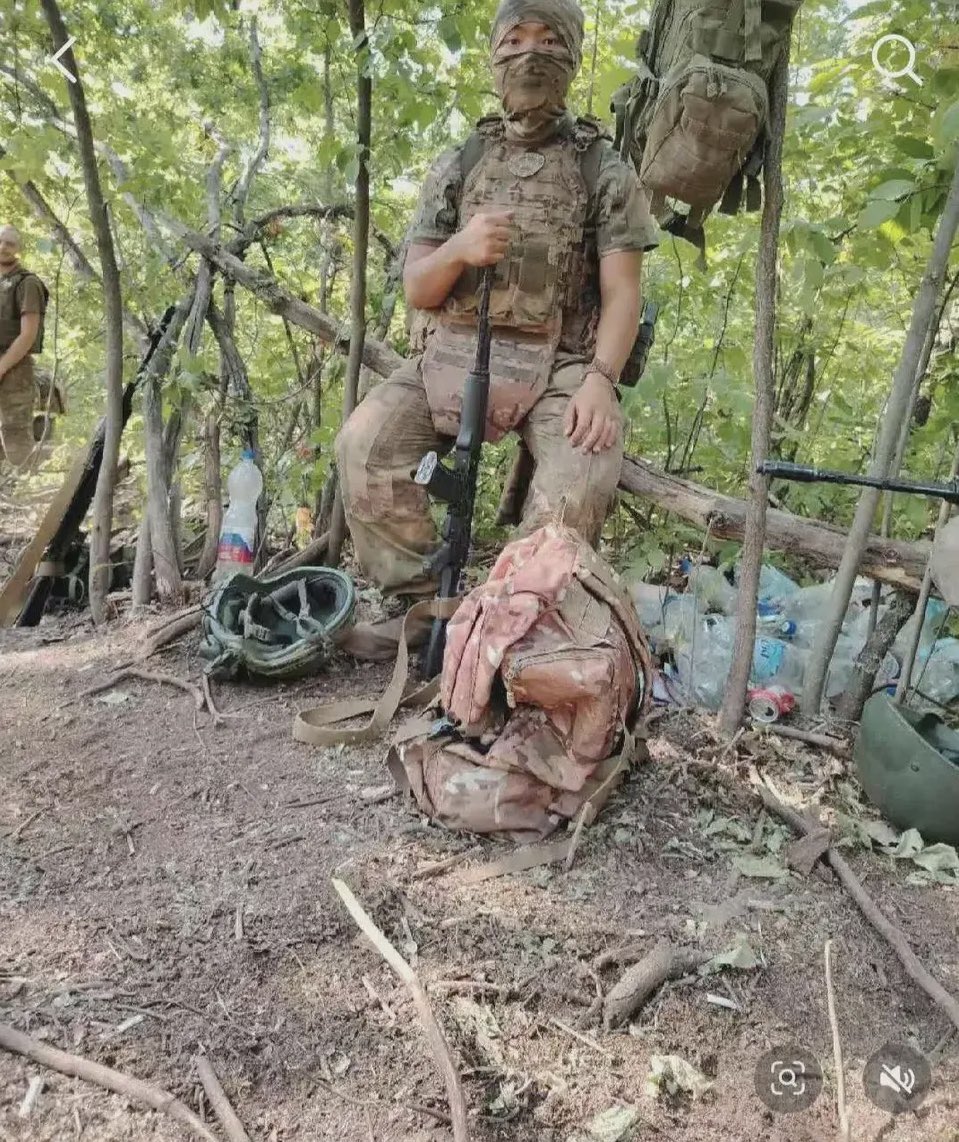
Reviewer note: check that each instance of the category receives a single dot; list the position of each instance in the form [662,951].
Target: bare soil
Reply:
[165,890]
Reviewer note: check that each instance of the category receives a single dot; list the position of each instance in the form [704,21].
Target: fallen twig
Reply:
[34,1088]
[824,741]
[578,1035]
[519,860]
[836,1046]
[172,629]
[437,868]
[640,981]
[144,676]
[81,1068]
[894,936]
[17,833]
[220,1103]
[434,1033]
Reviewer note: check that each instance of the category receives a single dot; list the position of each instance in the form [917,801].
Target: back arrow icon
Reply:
[55,59]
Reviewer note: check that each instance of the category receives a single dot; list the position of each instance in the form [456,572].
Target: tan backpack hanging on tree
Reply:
[693,119]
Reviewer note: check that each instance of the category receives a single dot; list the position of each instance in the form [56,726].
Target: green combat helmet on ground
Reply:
[908,763]
[276,627]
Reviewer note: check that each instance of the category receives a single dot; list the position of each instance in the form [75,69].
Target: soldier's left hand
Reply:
[592,416]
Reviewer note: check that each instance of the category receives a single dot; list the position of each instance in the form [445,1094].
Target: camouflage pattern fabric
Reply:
[553,629]
[563,16]
[387,436]
[16,412]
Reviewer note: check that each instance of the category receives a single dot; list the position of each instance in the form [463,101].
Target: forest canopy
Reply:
[238,121]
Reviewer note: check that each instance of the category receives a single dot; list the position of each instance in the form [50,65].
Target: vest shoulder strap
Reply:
[20,276]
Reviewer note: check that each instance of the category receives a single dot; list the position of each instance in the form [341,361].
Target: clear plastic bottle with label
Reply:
[236,548]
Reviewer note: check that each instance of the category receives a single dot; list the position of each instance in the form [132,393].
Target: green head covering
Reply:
[565,17]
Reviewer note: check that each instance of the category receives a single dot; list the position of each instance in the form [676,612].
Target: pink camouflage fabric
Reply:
[546,668]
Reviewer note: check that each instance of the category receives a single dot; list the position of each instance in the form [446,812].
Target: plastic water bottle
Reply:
[238,531]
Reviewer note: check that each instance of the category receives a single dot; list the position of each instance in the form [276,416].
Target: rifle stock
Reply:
[456,485]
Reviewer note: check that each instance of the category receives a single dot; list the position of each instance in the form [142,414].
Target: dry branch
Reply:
[894,936]
[220,1103]
[146,676]
[81,1068]
[376,355]
[434,1032]
[640,981]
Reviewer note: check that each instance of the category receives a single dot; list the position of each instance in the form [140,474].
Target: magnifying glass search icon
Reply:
[888,72]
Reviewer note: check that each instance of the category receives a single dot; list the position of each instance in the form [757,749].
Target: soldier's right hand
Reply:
[484,240]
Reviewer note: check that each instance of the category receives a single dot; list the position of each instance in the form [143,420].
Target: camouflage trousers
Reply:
[16,413]
[389,516]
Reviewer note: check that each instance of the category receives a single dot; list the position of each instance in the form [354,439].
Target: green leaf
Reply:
[740,956]
[915,148]
[448,29]
[671,1074]
[947,130]
[895,188]
[877,212]
[822,247]
[613,1124]
[909,844]
[938,858]
[757,866]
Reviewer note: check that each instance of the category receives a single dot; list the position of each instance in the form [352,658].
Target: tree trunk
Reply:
[142,581]
[212,491]
[734,699]
[361,238]
[113,319]
[892,418]
[162,540]
[869,659]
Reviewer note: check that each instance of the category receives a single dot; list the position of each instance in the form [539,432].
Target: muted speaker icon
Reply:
[897,1078]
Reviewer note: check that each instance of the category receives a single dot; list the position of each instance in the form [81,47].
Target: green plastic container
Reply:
[908,763]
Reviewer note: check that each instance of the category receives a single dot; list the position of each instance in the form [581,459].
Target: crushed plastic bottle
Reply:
[936,675]
[650,600]
[775,587]
[713,589]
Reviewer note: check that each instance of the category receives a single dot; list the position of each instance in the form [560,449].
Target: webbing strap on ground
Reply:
[318,726]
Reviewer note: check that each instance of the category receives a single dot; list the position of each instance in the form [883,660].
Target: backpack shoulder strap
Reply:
[590,138]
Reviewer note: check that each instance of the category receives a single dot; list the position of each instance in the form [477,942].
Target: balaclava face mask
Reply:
[533,84]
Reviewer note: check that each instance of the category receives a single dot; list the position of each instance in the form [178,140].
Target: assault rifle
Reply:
[456,486]
[781,470]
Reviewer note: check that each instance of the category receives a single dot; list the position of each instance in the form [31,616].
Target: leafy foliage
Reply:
[867,163]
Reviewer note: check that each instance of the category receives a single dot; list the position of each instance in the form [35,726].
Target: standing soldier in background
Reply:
[23,303]
[545,199]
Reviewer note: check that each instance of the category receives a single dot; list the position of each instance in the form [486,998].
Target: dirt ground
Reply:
[165,890]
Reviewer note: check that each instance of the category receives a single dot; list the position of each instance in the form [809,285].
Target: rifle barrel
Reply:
[800,473]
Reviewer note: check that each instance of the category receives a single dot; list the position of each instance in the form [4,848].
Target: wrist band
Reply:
[597,365]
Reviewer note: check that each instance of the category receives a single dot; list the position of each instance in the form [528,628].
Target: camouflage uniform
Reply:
[19,293]
[544,308]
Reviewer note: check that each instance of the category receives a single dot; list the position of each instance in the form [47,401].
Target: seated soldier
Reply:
[23,302]
[545,199]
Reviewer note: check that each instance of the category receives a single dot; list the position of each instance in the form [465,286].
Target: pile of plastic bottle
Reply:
[693,633]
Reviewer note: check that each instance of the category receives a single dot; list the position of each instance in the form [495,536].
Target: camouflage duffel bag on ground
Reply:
[281,626]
